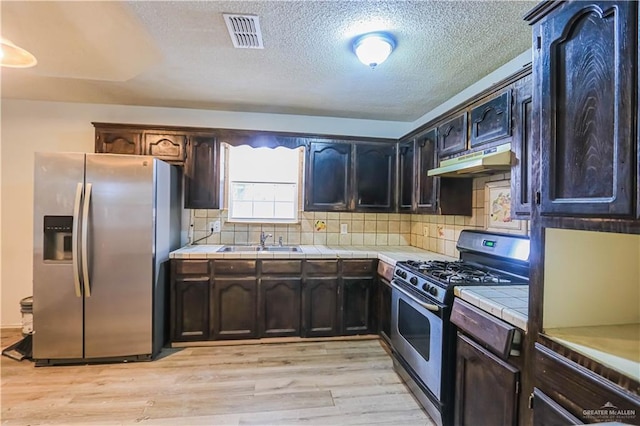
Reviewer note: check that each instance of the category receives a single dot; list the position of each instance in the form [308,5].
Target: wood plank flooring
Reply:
[311,383]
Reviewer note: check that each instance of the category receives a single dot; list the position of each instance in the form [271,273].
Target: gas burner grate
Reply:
[457,272]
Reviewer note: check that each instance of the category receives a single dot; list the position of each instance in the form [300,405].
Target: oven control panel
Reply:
[421,284]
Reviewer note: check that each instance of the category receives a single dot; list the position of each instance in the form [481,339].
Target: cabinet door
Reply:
[357,303]
[320,307]
[328,176]
[116,141]
[491,120]
[165,146]
[201,173]
[586,68]
[407,175]
[234,313]
[191,310]
[280,307]
[384,309]
[375,171]
[452,136]
[427,185]
[486,387]
[521,145]
[547,412]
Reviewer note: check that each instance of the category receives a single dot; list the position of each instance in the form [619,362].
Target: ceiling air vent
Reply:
[244,31]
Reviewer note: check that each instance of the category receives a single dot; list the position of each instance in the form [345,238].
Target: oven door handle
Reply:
[429,306]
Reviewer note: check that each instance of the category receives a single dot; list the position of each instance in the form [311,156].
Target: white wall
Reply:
[591,278]
[31,126]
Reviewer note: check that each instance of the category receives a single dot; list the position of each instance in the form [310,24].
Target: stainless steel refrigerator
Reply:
[103,229]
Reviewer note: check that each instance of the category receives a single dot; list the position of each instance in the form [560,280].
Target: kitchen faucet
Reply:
[263,238]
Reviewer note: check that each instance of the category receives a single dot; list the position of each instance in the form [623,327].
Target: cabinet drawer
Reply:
[234,267]
[385,270]
[495,334]
[192,267]
[547,412]
[321,267]
[358,267]
[280,267]
[577,389]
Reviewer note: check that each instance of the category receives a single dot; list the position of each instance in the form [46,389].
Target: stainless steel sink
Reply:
[241,248]
[281,248]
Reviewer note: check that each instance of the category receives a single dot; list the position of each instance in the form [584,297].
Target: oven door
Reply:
[416,335]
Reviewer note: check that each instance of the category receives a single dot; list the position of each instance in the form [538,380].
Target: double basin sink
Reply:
[241,248]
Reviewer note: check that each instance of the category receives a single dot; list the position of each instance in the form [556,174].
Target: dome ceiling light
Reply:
[13,56]
[372,49]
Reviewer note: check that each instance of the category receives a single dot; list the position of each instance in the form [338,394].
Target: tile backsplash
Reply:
[436,233]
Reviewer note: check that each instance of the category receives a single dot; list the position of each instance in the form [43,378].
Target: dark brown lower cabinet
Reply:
[575,392]
[191,319]
[486,387]
[547,412]
[358,296]
[384,309]
[234,314]
[320,307]
[280,307]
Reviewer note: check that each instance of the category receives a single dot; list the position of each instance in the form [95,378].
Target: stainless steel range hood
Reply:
[481,163]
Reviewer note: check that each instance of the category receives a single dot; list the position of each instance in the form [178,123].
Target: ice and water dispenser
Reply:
[58,237]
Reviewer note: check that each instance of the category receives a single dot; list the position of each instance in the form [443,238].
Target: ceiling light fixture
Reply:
[13,56]
[374,48]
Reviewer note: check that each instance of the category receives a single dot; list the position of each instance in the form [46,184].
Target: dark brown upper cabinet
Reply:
[406,174]
[417,191]
[585,66]
[452,136]
[427,186]
[521,169]
[202,173]
[375,177]
[491,120]
[328,176]
[118,141]
[165,146]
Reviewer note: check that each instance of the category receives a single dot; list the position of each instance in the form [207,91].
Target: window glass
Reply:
[263,184]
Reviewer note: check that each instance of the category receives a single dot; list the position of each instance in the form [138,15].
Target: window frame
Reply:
[298,196]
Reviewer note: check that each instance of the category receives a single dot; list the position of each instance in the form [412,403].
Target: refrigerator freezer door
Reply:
[118,312]
[57,310]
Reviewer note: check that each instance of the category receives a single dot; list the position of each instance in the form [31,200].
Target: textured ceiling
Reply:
[179,54]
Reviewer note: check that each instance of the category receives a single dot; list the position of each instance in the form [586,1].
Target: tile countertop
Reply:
[615,346]
[509,303]
[388,254]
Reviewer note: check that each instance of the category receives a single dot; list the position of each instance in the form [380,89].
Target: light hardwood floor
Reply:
[319,383]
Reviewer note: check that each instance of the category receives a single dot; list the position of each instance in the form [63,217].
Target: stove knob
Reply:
[433,290]
[414,280]
[426,287]
[404,274]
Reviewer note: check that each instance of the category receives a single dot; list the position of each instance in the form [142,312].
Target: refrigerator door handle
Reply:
[85,241]
[76,240]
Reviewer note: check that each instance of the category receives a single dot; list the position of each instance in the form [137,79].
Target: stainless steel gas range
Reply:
[422,338]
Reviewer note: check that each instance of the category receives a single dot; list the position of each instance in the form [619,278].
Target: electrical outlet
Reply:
[214,226]
[344,229]
[425,231]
